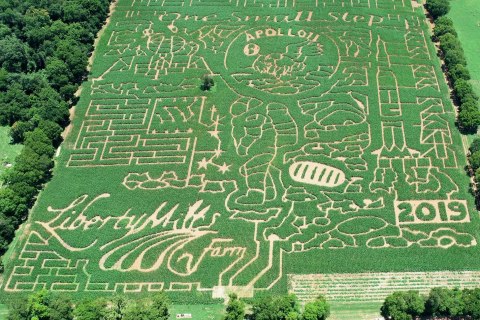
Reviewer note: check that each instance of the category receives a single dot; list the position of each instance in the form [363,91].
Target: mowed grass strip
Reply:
[466,18]
[8,151]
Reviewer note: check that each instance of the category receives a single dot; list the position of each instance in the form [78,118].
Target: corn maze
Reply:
[326,148]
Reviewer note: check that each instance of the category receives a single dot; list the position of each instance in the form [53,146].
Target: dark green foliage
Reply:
[275,308]
[207,82]
[118,308]
[52,130]
[456,66]
[475,146]
[403,306]
[42,305]
[235,308]
[471,303]
[44,48]
[443,302]
[18,310]
[15,55]
[443,25]
[449,42]
[437,8]
[458,72]
[57,73]
[475,160]
[316,310]
[454,57]
[91,310]
[155,308]
[18,130]
[469,120]
[464,90]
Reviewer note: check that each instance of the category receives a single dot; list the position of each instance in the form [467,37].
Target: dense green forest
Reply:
[44,50]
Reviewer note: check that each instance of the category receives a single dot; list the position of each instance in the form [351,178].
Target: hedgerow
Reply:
[44,51]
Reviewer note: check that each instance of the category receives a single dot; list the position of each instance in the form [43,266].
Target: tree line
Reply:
[456,70]
[44,50]
[441,303]
[45,305]
[468,118]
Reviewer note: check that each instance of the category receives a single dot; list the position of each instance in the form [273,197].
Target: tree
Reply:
[159,307]
[207,82]
[463,91]
[37,26]
[316,310]
[74,56]
[403,305]
[443,25]
[48,105]
[475,160]
[39,142]
[454,57]
[443,302]
[457,72]
[7,232]
[42,305]
[469,120]
[57,73]
[278,308]
[52,130]
[471,302]
[449,42]
[139,310]
[475,146]
[235,308]
[14,105]
[118,308]
[91,310]
[437,8]
[18,309]
[18,130]
[15,55]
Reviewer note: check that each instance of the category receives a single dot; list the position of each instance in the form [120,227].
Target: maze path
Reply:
[329,127]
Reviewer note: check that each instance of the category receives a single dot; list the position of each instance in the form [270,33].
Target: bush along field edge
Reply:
[458,76]
[440,302]
[44,55]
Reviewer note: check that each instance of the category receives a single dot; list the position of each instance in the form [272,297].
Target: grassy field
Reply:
[325,152]
[8,152]
[3,312]
[466,17]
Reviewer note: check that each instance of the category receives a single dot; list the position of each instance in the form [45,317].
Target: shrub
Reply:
[475,146]
[437,8]
[443,25]
[463,91]
[457,72]
[469,120]
[475,160]
[403,305]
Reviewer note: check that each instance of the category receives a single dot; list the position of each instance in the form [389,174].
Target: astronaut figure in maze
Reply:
[260,130]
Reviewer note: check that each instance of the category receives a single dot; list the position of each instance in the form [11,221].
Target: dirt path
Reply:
[68,129]
[101,32]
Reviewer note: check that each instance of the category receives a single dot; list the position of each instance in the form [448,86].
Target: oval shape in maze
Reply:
[316,174]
